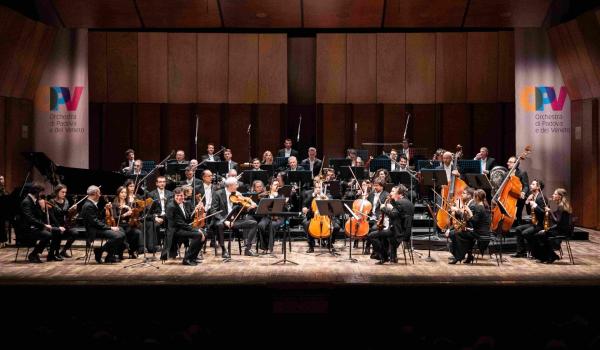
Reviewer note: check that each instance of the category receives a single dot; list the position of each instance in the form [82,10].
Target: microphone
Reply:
[249,127]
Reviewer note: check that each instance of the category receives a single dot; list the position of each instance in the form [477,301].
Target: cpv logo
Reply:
[535,98]
[60,95]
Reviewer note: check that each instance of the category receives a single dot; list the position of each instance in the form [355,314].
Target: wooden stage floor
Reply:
[311,270]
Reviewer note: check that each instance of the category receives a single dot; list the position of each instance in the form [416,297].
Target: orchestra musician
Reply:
[460,211]
[293,164]
[95,226]
[268,225]
[255,164]
[308,196]
[36,227]
[478,216]
[394,157]
[267,158]
[3,214]
[287,150]
[399,212]
[127,165]
[180,157]
[542,247]
[448,167]
[230,163]
[228,211]
[122,213]
[180,215]
[190,178]
[377,198]
[58,218]
[487,163]
[210,154]
[312,163]
[403,166]
[524,178]
[526,232]
[406,150]
[158,213]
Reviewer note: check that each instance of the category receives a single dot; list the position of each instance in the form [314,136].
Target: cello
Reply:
[504,201]
[450,193]
[359,228]
[320,225]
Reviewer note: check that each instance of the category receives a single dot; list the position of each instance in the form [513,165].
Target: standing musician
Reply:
[542,248]
[127,165]
[190,178]
[394,158]
[406,150]
[309,195]
[526,232]
[122,213]
[158,213]
[95,226]
[448,167]
[461,211]
[399,211]
[268,225]
[478,215]
[210,154]
[267,158]
[524,178]
[180,215]
[312,163]
[230,163]
[37,228]
[487,163]
[226,219]
[287,150]
[58,218]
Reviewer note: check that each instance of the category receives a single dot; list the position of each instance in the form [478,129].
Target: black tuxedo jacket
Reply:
[93,219]
[32,215]
[293,153]
[400,216]
[382,197]
[205,157]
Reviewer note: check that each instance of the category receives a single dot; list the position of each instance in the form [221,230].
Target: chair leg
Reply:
[570,252]
[404,253]
[17,255]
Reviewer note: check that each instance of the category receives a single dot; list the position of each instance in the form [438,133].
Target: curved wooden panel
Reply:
[391,68]
[334,131]
[420,68]
[243,68]
[331,68]
[451,68]
[424,13]
[182,67]
[213,68]
[482,67]
[272,68]
[506,67]
[262,13]
[342,13]
[362,68]
[97,67]
[98,13]
[152,76]
[179,13]
[122,67]
[238,119]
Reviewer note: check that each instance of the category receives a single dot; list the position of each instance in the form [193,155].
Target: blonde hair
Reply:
[564,202]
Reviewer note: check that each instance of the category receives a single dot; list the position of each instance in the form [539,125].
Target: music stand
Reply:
[400,177]
[274,207]
[280,163]
[334,187]
[336,163]
[267,167]
[146,262]
[431,178]
[249,176]
[478,181]
[285,190]
[380,163]
[359,172]
[330,208]
[219,168]
[352,235]
[427,164]
[176,169]
[469,166]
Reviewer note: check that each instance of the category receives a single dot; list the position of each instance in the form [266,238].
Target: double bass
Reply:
[504,201]
[450,193]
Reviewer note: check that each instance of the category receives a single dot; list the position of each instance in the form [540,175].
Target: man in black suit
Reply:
[210,155]
[307,198]
[3,212]
[35,229]
[312,163]
[287,150]
[227,211]
[91,215]
[487,163]
[190,179]
[127,165]
[180,215]
[293,164]
[158,213]
[230,163]
[524,178]
[526,232]
[137,170]
[207,191]
[399,212]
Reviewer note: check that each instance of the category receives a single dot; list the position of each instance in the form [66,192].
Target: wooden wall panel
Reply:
[122,67]
[238,119]
[362,68]
[146,131]
[152,69]
[391,68]
[213,68]
[583,57]
[365,117]
[482,67]
[177,129]
[41,58]
[272,68]
[589,174]
[334,144]
[487,121]
[182,67]
[509,132]
[577,163]
[97,66]
[301,70]
[11,38]
[96,113]
[425,130]
[3,136]
[209,130]
[27,52]
[575,62]
[243,68]
[566,71]
[451,68]
[331,68]
[267,134]
[420,68]
[394,122]
[456,127]
[589,26]
[506,66]
[19,114]
[116,134]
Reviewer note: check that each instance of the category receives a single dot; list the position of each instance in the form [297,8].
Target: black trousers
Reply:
[114,240]
[134,239]
[152,235]
[453,244]
[70,235]
[247,225]
[466,241]
[519,214]
[197,239]
[266,228]
[381,242]
[335,228]
[524,234]
[42,238]
[3,231]
[542,247]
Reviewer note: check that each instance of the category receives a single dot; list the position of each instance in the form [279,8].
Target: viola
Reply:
[139,205]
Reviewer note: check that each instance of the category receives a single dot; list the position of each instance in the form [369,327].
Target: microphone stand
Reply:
[196,137]
[249,143]
[146,262]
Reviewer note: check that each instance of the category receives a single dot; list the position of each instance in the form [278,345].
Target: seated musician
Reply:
[459,212]
[329,174]
[353,156]
[383,175]
[157,216]
[394,159]
[180,157]
[210,154]
[255,164]
[58,218]
[267,158]
[122,212]
[190,178]
[377,198]
[312,163]
[526,232]
[293,164]
[406,150]
[308,197]
[180,215]
[227,155]
[403,166]
[542,248]
[36,227]
[287,150]
[399,212]
[206,190]
[137,170]
[267,224]
[228,217]
[93,218]
[524,178]
[479,219]
[127,165]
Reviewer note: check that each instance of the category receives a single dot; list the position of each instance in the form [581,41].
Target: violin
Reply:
[245,202]
[139,205]
[382,216]
[109,218]
[200,214]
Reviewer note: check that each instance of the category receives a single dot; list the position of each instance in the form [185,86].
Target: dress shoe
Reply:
[65,254]
[200,256]
[54,257]
[469,259]
[189,262]
[249,252]
[225,254]
[394,260]
[453,261]
[34,258]
[367,251]
[310,250]
[519,255]
[111,259]
[98,255]
[374,256]
[132,255]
